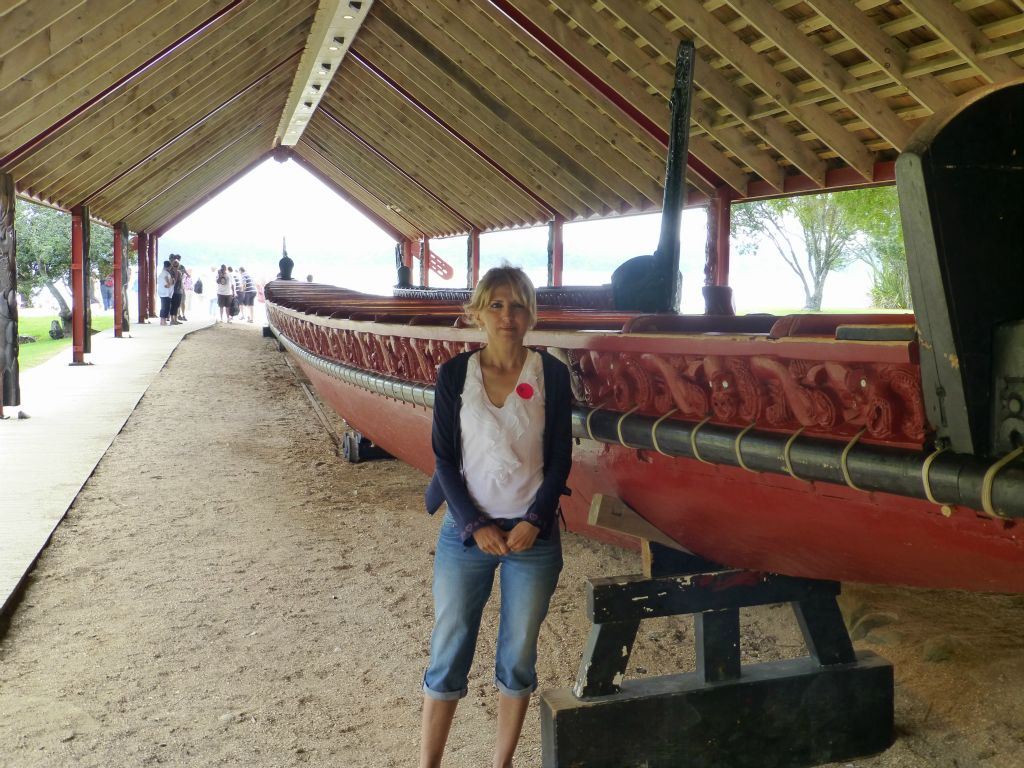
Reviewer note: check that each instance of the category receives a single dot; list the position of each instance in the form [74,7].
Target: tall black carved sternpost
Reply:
[10,390]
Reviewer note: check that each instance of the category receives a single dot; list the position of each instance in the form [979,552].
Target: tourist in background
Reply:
[188,287]
[248,297]
[225,292]
[178,274]
[107,292]
[502,440]
[164,291]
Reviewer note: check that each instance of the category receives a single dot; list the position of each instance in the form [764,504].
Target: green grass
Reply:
[30,355]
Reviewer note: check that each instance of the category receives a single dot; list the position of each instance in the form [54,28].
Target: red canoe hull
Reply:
[742,519]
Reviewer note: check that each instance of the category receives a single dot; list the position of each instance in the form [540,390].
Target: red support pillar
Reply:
[555,254]
[717,293]
[473,243]
[143,240]
[79,282]
[425,262]
[407,250]
[154,270]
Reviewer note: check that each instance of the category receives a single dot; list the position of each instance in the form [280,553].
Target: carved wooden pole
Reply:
[10,388]
[555,260]
[667,254]
[79,284]
[120,276]
[143,240]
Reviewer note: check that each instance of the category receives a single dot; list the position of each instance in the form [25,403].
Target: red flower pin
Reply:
[525,391]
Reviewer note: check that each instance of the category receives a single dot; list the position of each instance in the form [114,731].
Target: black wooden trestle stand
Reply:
[832,705]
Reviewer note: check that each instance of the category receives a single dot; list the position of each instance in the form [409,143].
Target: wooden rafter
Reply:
[825,70]
[653,108]
[956,28]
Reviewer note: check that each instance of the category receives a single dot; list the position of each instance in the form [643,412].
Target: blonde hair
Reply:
[505,276]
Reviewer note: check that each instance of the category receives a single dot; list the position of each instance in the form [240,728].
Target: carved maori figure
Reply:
[10,390]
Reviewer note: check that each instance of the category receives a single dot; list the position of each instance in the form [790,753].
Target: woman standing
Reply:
[502,440]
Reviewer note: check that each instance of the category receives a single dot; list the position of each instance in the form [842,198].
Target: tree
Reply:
[44,252]
[813,234]
[818,234]
[876,213]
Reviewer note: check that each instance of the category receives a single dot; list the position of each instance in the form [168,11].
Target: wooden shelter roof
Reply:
[445,115]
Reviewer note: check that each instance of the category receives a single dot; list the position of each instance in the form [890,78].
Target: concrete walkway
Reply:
[74,413]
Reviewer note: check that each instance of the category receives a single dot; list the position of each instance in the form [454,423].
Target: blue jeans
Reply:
[463,577]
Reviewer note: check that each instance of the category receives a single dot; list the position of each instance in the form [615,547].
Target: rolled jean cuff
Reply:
[522,693]
[444,695]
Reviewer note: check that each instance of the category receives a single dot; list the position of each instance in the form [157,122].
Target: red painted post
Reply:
[407,246]
[722,206]
[555,251]
[143,240]
[717,293]
[116,270]
[474,257]
[79,222]
[425,262]
[154,264]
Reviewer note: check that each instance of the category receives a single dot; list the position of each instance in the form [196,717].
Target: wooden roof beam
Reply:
[532,112]
[450,130]
[171,176]
[334,27]
[158,95]
[730,96]
[455,173]
[956,28]
[708,167]
[160,229]
[395,167]
[563,82]
[392,231]
[387,185]
[177,196]
[886,52]
[461,97]
[193,148]
[651,71]
[309,146]
[225,105]
[823,68]
[777,87]
[61,123]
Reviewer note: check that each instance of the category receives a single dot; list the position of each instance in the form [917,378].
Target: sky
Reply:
[334,242]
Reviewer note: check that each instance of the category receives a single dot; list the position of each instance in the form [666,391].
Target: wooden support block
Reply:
[622,598]
[615,515]
[824,631]
[660,560]
[718,645]
[605,658]
[785,714]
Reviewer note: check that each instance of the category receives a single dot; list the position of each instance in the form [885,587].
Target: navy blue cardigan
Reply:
[447,484]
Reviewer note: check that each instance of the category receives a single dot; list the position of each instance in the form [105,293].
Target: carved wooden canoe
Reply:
[794,444]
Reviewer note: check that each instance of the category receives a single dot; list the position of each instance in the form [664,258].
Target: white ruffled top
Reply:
[503,448]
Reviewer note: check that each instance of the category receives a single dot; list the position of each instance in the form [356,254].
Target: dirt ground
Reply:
[226,591]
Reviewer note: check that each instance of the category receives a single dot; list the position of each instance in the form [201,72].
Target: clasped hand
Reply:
[494,541]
